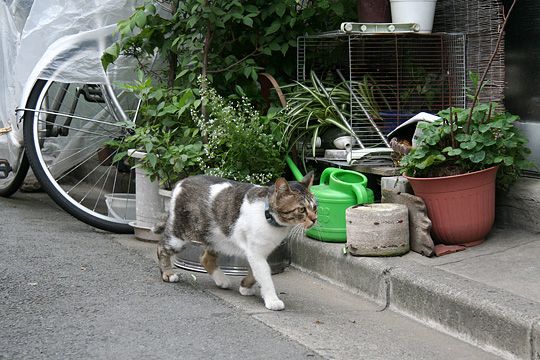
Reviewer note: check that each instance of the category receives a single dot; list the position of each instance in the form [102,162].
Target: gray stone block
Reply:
[419,223]
[378,229]
[396,183]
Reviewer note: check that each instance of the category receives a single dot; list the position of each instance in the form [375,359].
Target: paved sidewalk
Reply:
[488,295]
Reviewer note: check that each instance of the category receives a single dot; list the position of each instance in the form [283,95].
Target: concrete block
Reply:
[395,183]
[378,229]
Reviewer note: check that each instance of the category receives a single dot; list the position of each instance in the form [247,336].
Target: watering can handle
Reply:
[361,193]
[325,176]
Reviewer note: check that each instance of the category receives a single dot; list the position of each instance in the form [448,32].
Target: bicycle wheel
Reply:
[13,178]
[66,128]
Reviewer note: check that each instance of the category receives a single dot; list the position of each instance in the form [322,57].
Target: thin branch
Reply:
[173,57]
[252,54]
[486,70]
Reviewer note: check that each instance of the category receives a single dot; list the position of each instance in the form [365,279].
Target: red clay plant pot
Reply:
[461,207]
[374,11]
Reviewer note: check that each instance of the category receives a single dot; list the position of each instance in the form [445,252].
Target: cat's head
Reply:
[293,203]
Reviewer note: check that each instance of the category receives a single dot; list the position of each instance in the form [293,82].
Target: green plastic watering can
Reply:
[338,190]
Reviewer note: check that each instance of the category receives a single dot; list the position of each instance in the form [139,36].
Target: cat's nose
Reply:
[310,221]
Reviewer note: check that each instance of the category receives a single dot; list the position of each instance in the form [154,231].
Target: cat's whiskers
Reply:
[297,232]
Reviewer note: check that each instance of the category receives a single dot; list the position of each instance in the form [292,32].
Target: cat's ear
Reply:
[308,179]
[282,185]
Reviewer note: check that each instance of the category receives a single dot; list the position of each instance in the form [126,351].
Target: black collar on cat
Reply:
[268,215]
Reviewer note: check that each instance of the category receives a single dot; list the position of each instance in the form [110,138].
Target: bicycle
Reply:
[69,108]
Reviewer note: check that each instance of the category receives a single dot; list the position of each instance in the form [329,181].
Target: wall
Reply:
[522,93]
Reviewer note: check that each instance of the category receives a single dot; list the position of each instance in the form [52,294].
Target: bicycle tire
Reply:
[76,188]
[13,182]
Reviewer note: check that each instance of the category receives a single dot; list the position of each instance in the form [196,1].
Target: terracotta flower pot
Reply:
[461,207]
[374,11]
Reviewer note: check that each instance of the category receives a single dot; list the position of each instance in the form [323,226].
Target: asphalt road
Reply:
[68,291]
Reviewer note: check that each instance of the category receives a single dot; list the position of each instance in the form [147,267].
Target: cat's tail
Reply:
[159,228]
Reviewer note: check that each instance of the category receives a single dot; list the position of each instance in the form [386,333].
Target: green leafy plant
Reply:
[171,154]
[241,144]
[227,42]
[309,112]
[371,96]
[421,88]
[453,145]
[165,131]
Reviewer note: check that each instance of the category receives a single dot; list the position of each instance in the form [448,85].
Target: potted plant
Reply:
[373,11]
[240,143]
[459,160]
[456,165]
[420,12]
[309,113]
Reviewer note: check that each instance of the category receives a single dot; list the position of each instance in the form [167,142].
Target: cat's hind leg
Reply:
[209,261]
[168,247]
[246,285]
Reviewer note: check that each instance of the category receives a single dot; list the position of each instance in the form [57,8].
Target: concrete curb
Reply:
[488,317]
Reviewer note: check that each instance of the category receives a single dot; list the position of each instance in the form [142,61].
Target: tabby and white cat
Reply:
[235,219]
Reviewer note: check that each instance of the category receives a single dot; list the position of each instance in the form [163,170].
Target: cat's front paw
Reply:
[274,304]
[170,276]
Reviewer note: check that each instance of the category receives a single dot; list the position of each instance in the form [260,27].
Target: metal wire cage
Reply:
[391,77]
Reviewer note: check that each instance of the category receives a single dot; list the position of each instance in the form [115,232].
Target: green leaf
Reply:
[251,9]
[430,160]
[273,27]
[140,19]
[247,21]
[113,50]
[152,159]
[247,71]
[484,128]
[280,9]
[148,147]
[478,157]
[150,8]
[455,152]
[468,145]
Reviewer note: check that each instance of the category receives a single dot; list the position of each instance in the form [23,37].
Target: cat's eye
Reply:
[302,209]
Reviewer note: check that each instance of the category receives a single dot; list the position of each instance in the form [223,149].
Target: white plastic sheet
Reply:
[49,39]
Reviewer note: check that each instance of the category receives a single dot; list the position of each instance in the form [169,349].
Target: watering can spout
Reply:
[294,169]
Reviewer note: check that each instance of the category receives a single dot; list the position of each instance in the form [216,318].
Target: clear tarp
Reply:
[52,39]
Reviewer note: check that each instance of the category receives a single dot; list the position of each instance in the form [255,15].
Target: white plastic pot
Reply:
[121,206]
[149,205]
[420,12]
